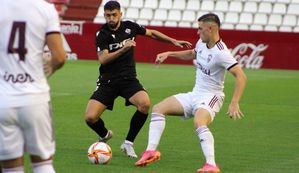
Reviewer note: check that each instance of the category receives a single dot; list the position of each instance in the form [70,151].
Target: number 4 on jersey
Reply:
[20,50]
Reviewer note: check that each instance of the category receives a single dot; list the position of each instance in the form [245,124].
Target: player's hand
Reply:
[48,70]
[182,43]
[234,111]
[129,44]
[47,65]
[161,57]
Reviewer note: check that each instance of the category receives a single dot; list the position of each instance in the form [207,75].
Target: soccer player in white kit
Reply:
[205,100]
[25,113]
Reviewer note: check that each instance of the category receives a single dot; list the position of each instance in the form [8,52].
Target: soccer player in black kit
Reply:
[114,43]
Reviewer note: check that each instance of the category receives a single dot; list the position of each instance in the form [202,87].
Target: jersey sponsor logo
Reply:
[204,70]
[115,46]
[18,78]
[113,35]
[249,55]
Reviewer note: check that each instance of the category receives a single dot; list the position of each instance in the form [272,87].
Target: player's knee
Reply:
[158,109]
[91,118]
[144,107]
[200,121]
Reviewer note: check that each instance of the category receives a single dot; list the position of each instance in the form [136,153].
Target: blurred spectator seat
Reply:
[179,4]
[235,6]
[136,3]
[250,7]
[207,5]
[279,8]
[165,4]
[193,5]
[132,13]
[153,4]
[221,6]
[265,7]
[174,15]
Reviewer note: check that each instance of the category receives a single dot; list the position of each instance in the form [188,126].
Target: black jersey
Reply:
[114,40]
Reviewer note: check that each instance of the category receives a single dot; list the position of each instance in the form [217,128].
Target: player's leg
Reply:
[202,119]
[39,136]
[135,94]
[93,112]
[203,116]
[169,106]
[142,102]
[11,142]
[102,99]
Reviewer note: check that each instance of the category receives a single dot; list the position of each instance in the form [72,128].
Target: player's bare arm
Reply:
[58,54]
[105,57]
[162,37]
[183,55]
[234,109]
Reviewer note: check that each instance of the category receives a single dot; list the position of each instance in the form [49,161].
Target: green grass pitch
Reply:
[266,140]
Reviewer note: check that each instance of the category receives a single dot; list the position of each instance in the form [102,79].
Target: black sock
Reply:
[136,124]
[98,127]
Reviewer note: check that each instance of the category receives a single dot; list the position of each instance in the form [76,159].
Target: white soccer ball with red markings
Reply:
[99,153]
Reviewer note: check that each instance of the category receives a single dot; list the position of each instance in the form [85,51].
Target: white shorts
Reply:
[192,101]
[26,129]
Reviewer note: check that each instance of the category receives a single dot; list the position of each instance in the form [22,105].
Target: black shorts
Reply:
[109,89]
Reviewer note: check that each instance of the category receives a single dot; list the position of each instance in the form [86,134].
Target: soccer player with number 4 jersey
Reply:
[25,109]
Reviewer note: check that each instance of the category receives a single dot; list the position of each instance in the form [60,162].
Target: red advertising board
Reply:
[252,49]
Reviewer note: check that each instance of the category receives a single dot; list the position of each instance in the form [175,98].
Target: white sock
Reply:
[19,169]
[156,129]
[207,144]
[43,167]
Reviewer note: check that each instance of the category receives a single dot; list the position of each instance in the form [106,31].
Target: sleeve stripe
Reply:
[53,32]
[232,66]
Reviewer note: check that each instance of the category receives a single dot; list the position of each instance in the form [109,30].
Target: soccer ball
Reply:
[99,153]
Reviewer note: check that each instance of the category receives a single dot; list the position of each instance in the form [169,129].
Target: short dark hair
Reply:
[209,17]
[112,5]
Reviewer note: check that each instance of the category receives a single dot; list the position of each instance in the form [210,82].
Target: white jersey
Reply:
[211,67]
[24,26]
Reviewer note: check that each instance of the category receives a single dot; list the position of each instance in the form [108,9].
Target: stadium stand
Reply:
[259,15]
[82,10]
